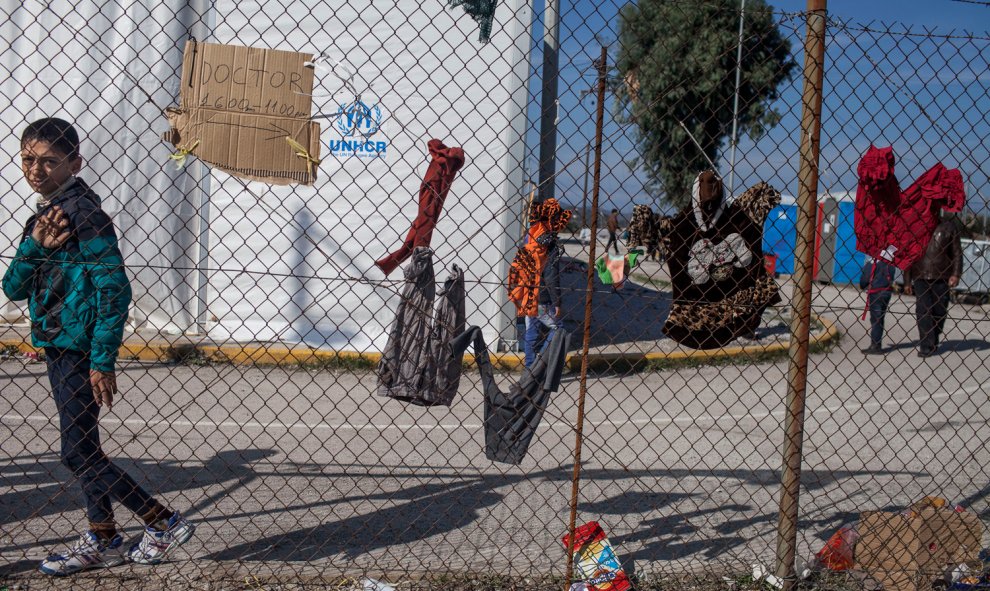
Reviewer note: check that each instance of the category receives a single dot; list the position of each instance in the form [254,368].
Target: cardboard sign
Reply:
[247,112]
[907,553]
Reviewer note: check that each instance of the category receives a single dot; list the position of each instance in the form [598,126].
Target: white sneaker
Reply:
[156,545]
[88,552]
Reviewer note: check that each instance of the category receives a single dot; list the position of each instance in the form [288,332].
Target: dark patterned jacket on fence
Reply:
[642,228]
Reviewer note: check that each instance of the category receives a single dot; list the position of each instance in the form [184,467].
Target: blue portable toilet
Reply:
[779,234]
[836,258]
[848,261]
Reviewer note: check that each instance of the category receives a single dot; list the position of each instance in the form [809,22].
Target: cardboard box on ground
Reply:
[237,107]
[908,551]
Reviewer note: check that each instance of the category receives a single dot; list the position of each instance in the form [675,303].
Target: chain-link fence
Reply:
[723,398]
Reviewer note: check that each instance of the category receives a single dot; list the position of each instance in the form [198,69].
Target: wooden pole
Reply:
[804,258]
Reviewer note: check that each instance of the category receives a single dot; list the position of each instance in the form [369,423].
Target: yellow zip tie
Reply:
[303,153]
[180,155]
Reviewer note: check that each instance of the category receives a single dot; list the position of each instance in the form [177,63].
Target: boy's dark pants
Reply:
[878,302]
[932,308]
[78,414]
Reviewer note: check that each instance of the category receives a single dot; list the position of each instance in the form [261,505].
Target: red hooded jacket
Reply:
[896,225]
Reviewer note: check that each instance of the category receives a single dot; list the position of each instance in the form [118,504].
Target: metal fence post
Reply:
[811,119]
[579,428]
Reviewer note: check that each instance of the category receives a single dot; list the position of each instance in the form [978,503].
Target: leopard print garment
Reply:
[641,227]
[704,321]
[757,201]
[549,213]
[732,317]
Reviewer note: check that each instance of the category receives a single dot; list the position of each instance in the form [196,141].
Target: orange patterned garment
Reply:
[546,218]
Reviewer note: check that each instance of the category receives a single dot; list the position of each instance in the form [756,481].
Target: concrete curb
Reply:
[251,354]
[606,361]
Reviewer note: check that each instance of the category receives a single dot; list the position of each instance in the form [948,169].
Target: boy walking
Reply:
[70,270]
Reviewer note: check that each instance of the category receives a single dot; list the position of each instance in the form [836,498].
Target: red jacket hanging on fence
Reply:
[877,198]
[546,217]
[896,225]
[432,192]
[918,215]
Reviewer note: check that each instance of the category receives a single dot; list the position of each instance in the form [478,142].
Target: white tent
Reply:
[252,262]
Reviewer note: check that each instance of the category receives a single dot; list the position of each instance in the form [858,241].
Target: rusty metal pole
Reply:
[583,390]
[804,254]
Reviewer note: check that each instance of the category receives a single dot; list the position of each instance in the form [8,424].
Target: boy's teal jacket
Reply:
[78,293]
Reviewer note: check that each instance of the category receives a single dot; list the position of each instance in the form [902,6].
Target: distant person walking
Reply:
[878,280]
[930,278]
[613,227]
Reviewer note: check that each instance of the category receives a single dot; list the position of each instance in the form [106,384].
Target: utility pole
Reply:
[584,205]
[593,92]
[735,104]
[548,100]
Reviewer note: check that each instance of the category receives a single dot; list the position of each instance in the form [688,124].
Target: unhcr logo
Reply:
[358,118]
[357,122]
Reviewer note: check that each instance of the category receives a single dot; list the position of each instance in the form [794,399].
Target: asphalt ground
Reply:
[295,473]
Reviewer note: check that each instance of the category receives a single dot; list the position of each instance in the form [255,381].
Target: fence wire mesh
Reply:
[262,330]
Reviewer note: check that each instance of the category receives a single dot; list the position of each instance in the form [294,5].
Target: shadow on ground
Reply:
[403,510]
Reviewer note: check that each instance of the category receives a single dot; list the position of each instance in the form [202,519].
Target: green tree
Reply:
[677,63]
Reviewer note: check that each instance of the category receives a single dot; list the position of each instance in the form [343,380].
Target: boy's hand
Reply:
[104,387]
[52,229]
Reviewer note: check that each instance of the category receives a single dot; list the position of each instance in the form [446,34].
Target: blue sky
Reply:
[928,97]
[943,14]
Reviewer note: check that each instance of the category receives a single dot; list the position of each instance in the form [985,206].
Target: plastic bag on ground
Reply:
[837,554]
[373,585]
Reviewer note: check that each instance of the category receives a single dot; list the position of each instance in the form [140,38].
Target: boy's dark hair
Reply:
[57,132]
[615,211]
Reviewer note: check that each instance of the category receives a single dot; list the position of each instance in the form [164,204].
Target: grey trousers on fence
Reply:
[417,365]
[511,418]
